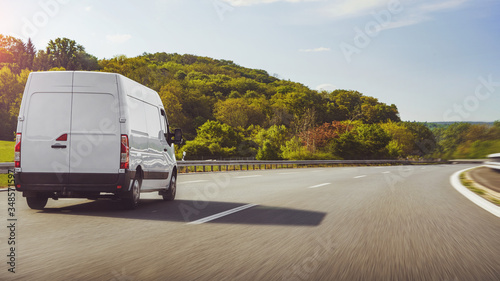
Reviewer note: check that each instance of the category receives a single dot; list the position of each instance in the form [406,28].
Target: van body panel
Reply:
[138,136]
[46,106]
[95,132]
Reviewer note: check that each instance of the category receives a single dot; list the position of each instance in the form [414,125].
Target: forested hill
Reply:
[195,89]
[226,110]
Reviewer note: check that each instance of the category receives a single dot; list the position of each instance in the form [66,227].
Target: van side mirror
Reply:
[177,136]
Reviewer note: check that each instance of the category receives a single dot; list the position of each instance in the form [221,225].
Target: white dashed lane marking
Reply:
[320,185]
[223,214]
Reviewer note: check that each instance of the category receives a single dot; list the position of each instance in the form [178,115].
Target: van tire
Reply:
[169,194]
[130,200]
[37,203]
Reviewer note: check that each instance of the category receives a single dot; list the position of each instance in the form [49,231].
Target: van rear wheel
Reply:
[169,194]
[130,200]
[37,203]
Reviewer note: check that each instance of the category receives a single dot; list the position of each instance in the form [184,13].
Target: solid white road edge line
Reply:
[220,215]
[478,200]
[192,181]
[245,177]
[320,185]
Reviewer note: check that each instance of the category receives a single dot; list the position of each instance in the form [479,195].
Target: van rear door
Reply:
[47,121]
[95,127]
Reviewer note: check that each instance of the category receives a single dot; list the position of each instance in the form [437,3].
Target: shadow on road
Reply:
[187,211]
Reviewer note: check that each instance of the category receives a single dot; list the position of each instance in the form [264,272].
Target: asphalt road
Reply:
[366,223]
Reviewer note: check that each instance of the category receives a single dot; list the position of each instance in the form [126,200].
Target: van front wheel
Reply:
[37,203]
[130,200]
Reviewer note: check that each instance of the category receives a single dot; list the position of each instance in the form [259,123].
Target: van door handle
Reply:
[58,146]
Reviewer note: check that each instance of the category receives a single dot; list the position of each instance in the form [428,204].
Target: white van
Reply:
[92,135]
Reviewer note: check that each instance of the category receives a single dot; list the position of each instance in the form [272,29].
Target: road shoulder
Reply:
[475,198]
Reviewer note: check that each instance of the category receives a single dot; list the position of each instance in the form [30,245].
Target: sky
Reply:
[435,60]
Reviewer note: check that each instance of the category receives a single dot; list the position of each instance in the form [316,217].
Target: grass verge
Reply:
[6,155]
[4,179]
[7,151]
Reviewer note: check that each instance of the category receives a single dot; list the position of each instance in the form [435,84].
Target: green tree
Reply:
[365,141]
[173,107]
[11,89]
[402,140]
[15,54]
[374,111]
[31,53]
[449,138]
[64,52]
[268,151]
[238,113]
[214,140]
[345,105]
[352,105]
[424,140]
[271,141]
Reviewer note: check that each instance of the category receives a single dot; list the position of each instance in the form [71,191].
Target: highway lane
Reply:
[359,223]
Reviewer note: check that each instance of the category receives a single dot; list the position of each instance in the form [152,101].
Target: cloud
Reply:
[238,3]
[346,8]
[88,8]
[320,49]
[118,38]
[412,12]
[411,20]
[423,13]
[432,7]
[326,87]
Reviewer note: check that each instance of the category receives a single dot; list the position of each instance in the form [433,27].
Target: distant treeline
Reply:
[229,111]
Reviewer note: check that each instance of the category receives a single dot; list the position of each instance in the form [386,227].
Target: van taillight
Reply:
[17,151]
[63,137]
[124,153]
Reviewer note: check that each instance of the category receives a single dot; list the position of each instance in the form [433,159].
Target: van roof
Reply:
[126,85]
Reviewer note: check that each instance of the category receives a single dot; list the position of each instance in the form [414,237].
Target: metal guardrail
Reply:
[185,166]
[467,161]
[494,161]
[5,167]
[228,165]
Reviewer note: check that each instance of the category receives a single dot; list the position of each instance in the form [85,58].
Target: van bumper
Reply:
[73,182]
